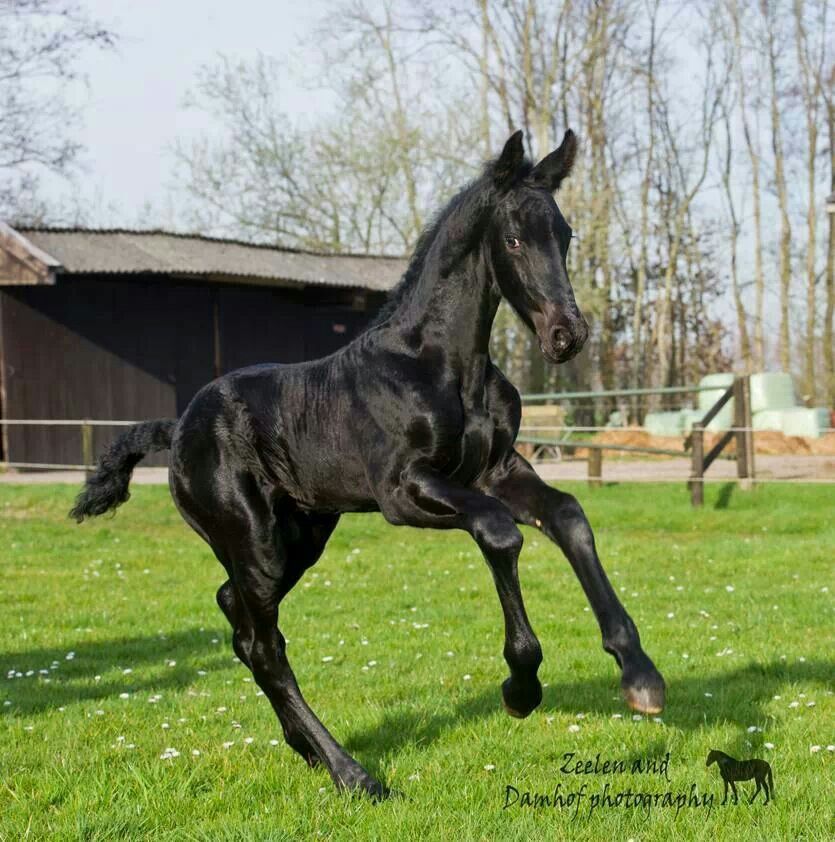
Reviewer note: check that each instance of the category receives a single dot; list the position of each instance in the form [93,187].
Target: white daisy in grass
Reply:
[467,677]
[636,717]
[573,728]
[195,752]
[273,742]
[124,695]
[814,749]
[249,740]
[229,744]
[327,659]
[768,745]
[169,753]
[489,767]
[617,716]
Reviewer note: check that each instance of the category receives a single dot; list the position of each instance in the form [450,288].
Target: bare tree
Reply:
[733,239]
[768,10]
[744,94]
[41,43]
[810,60]
[686,175]
[829,313]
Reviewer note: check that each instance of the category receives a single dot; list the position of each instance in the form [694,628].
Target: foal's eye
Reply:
[512,243]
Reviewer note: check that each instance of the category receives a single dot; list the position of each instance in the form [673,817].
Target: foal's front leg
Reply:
[561,518]
[427,499]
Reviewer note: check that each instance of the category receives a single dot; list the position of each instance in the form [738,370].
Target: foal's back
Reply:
[269,420]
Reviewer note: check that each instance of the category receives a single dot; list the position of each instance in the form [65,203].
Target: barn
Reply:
[128,325]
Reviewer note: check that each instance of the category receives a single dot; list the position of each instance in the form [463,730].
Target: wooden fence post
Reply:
[744,434]
[697,471]
[87,457]
[595,467]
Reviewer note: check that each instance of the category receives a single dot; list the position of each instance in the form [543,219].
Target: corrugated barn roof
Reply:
[88,251]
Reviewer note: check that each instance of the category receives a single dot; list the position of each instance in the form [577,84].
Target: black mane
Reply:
[457,221]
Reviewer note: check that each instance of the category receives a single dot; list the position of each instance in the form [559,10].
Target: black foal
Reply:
[411,419]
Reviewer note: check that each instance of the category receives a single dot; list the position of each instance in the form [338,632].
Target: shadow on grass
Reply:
[739,698]
[724,497]
[73,681]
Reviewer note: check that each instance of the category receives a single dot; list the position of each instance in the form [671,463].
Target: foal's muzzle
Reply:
[563,337]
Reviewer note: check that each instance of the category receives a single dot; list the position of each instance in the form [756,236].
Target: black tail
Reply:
[107,487]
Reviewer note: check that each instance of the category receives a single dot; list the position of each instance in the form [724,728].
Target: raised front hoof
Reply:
[644,693]
[520,699]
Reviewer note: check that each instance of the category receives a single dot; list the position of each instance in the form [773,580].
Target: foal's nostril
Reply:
[561,339]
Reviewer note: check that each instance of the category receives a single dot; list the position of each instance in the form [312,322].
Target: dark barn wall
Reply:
[139,348]
[99,349]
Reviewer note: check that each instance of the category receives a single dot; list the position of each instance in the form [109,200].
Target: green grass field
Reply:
[113,652]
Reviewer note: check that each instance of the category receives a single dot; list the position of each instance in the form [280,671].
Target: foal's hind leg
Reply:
[257,550]
[562,519]
[306,537]
[229,604]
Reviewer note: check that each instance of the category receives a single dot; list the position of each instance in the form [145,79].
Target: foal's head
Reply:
[528,240]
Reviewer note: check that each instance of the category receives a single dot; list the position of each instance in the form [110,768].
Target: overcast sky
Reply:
[132,107]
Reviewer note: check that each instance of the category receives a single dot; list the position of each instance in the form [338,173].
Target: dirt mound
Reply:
[824,446]
[766,442]
[633,438]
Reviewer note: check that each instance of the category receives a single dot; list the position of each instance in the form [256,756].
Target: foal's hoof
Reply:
[521,698]
[361,783]
[645,692]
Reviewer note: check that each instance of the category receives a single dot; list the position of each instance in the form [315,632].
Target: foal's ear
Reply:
[508,163]
[553,168]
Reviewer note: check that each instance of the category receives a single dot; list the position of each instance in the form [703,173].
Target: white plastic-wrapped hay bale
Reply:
[772,390]
[718,384]
[768,419]
[688,418]
[663,423]
[801,421]
[794,421]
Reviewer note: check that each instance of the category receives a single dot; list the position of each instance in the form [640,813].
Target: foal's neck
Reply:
[453,315]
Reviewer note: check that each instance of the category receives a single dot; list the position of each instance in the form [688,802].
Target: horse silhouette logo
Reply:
[743,770]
